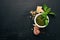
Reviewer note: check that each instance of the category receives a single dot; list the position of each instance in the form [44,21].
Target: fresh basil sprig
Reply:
[47,11]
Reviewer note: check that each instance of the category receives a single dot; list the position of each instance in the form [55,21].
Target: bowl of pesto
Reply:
[40,21]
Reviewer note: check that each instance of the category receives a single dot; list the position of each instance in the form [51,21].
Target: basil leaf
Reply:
[46,22]
[44,14]
[45,7]
[48,10]
[52,13]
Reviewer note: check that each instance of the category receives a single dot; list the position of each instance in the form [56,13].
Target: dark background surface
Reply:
[16,24]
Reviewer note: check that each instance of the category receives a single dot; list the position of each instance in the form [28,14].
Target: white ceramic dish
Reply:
[36,22]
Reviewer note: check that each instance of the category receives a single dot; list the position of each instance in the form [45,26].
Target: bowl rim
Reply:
[36,22]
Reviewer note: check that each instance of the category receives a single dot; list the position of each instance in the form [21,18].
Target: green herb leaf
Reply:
[45,7]
[44,15]
[46,22]
[52,13]
[48,10]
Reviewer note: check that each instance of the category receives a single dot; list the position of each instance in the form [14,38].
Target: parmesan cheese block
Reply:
[39,9]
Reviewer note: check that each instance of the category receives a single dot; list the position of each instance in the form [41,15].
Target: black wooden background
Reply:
[16,24]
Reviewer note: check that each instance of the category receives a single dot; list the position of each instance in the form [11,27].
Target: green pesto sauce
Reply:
[40,21]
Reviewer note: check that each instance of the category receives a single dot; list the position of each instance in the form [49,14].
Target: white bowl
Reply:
[36,22]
